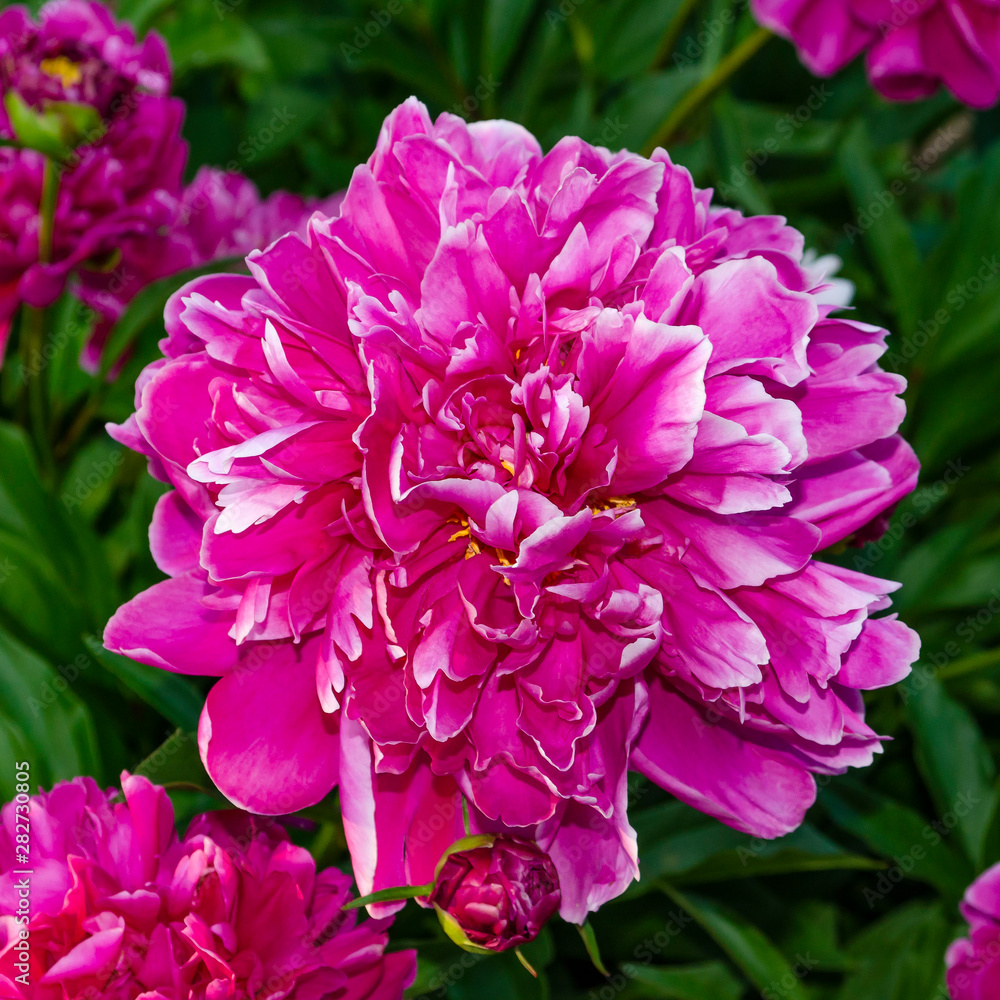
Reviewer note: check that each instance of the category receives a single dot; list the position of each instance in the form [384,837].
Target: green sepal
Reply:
[464,844]
[455,932]
[56,129]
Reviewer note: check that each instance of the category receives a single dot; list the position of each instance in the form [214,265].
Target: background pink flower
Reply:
[506,479]
[121,183]
[122,908]
[221,214]
[974,962]
[913,46]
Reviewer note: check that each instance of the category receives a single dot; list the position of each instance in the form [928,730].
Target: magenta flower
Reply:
[220,215]
[122,909]
[510,477]
[495,895]
[974,962]
[121,183]
[913,46]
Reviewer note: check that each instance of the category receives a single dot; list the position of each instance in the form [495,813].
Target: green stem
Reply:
[708,87]
[390,895]
[669,41]
[47,221]
[970,665]
[33,323]
[32,343]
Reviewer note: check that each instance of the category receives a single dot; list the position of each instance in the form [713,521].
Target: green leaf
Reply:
[176,761]
[712,852]
[141,13]
[899,834]
[42,719]
[503,24]
[813,929]
[705,981]
[960,278]
[900,957]
[955,761]
[77,123]
[803,850]
[201,39]
[590,943]
[646,102]
[34,129]
[35,601]
[29,510]
[747,946]
[883,228]
[173,696]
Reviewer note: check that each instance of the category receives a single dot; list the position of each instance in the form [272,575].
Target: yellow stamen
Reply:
[509,466]
[465,531]
[63,68]
[609,503]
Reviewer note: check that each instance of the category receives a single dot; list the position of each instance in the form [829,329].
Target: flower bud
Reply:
[494,893]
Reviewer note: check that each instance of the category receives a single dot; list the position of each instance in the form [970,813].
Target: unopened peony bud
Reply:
[492,894]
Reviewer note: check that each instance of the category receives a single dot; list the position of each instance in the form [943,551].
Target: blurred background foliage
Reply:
[861,902]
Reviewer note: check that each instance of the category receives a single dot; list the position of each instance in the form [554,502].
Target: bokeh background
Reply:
[861,902]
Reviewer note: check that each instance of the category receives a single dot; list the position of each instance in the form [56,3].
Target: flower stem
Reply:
[33,322]
[708,87]
[47,220]
[669,41]
[390,895]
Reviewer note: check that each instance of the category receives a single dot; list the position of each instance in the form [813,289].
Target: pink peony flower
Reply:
[493,894]
[913,46]
[119,184]
[221,214]
[974,962]
[509,477]
[122,909]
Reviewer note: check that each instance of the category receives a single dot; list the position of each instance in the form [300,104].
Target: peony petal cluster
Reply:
[122,909]
[221,214]
[974,962]
[118,184]
[507,479]
[493,894]
[912,46]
